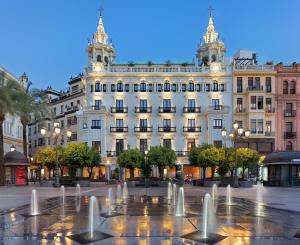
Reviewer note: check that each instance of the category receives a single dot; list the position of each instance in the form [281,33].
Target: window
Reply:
[84,125]
[96,145]
[143,104]
[217,123]
[207,87]
[62,124]
[260,126]
[289,108]
[104,87]
[119,146]
[29,131]
[250,83]
[126,87]
[92,88]
[113,88]
[61,109]
[143,87]
[167,104]
[216,104]
[159,87]
[239,85]
[167,143]
[135,87]
[268,126]
[120,87]
[34,130]
[167,87]
[191,143]
[99,58]
[150,87]
[218,143]
[292,87]
[96,124]
[222,87]
[106,60]
[191,123]
[119,104]
[183,87]
[198,87]
[257,83]
[268,85]
[97,87]
[191,103]
[260,102]
[167,123]
[240,123]
[191,87]
[239,103]
[215,86]
[253,126]
[75,89]
[97,105]
[285,87]
[289,146]
[143,145]
[269,104]
[174,87]
[119,123]
[143,123]
[253,102]
[289,127]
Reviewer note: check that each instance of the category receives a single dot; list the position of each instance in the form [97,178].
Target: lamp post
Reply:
[55,135]
[236,133]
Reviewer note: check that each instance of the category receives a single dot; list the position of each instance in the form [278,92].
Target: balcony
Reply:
[171,109]
[289,135]
[240,109]
[220,109]
[143,129]
[255,88]
[181,153]
[119,129]
[167,129]
[289,113]
[192,109]
[191,129]
[119,109]
[270,109]
[111,153]
[139,109]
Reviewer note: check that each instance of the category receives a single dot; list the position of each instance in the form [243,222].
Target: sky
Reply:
[47,38]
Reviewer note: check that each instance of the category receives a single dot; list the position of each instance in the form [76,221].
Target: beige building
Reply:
[254,100]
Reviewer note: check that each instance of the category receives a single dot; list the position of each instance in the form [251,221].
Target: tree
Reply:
[93,160]
[197,160]
[213,157]
[33,105]
[161,157]
[131,158]
[246,157]
[229,162]
[9,103]
[46,156]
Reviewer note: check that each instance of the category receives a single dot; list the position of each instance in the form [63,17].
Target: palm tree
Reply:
[33,105]
[10,101]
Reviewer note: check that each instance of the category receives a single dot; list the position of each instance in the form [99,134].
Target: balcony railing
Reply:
[111,153]
[191,129]
[255,88]
[270,110]
[119,109]
[240,110]
[289,113]
[191,109]
[171,109]
[290,135]
[181,153]
[119,129]
[167,129]
[139,109]
[143,129]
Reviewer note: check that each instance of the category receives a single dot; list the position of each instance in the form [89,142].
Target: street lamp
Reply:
[236,133]
[56,134]
[12,148]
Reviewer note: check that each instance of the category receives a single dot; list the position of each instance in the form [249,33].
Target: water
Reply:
[125,191]
[214,192]
[78,191]
[228,195]
[62,195]
[93,215]
[110,200]
[208,215]
[119,194]
[170,191]
[174,194]
[34,204]
[180,210]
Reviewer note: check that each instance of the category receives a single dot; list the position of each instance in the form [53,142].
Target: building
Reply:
[12,126]
[288,104]
[143,105]
[254,100]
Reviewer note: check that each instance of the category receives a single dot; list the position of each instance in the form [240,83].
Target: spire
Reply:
[101,36]
[210,35]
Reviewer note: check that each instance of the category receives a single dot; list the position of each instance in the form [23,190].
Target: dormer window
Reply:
[99,58]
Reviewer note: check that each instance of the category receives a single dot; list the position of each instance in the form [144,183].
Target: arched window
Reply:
[120,87]
[285,87]
[215,86]
[97,87]
[292,87]
[143,87]
[289,146]
[106,60]
[167,87]
[99,58]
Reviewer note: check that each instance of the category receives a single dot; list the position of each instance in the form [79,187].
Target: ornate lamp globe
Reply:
[235,125]
[240,131]
[247,133]
[224,132]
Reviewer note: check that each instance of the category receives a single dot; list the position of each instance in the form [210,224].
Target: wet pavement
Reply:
[149,220]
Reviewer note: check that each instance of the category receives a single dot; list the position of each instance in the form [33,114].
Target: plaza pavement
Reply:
[282,198]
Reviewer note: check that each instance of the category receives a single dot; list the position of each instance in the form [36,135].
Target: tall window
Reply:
[159,87]
[191,87]
[191,143]
[127,88]
[260,126]
[217,123]
[97,104]
[253,102]
[143,104]
[135,87]
[96,145]
[150,87]
[292,87]
[113,88]
[268,85]
[119,146]
[183,87]
[191,123]
[167,123]
[289,107]
[216,104]
[143,87]
[269,126]
[96,124]
[289,127]
[253,126]
[191,103]
[119,123]
[143,145]
[120,87]
[257,83]
[239,103]
[239,85]
[269,104]
[289,146]
[207,87]
[285,87]
[250,83]
[119,104]
[174,87]
[260,102]
[97,87]
[215,86]
[167,87]
[166,103]
[143,123]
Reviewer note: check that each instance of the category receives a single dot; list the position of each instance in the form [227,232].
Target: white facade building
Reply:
[144,105]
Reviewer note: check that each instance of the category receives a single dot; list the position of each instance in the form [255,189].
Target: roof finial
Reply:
[101,10]
[210,9]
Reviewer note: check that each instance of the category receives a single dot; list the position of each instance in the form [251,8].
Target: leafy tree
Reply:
[246,157]
[46,156]
[93,161]
[213,157]
[229,162]
[9,103]
[131,158]
[161,157]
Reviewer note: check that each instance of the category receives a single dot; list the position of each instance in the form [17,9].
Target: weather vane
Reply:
[210,9]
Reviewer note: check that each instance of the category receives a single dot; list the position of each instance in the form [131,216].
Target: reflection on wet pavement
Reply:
[149,220]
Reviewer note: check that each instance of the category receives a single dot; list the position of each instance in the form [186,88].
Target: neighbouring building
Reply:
[288,107]
[254,101]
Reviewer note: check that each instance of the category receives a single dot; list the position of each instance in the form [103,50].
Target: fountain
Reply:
[174,194]
[62,195]
[119,194]
[180,210]
[78,191]
[228,195]
[93,216]
[78,198]
[110,201]
[208,215]
[214,192]
[125,191]
[34,205]
[169,194]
